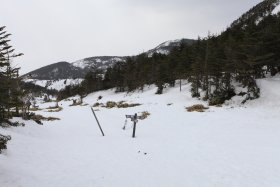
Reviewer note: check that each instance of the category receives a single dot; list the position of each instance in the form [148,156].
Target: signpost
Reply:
[134,118]
[97,122]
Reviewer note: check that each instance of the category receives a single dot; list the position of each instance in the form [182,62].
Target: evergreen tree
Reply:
[9,90]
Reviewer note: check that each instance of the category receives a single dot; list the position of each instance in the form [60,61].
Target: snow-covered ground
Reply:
[229,146]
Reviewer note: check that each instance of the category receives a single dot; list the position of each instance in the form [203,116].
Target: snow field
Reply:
[229,146]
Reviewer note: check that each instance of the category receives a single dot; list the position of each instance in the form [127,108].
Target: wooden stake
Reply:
[180,85]
[97,121]
[134,125]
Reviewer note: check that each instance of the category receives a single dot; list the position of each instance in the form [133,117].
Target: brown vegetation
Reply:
[196,108]
[112,104]
[42,118]
[56,109]
[144,115]
[35,109]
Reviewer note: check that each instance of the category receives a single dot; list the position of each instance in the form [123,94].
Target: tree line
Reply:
[242,53]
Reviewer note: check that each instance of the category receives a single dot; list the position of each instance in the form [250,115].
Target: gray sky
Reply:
[48,31]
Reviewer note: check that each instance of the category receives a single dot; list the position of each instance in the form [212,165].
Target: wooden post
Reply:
[97,122]
[180,85]
[134,125]
[134,118]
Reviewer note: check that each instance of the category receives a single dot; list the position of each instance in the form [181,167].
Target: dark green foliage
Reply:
[93,81]
[10,92]
[70,91]
[253,90]
[220,96]
[36,89]
[3,142]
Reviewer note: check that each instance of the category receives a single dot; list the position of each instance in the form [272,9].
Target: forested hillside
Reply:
[245,51]
[59,70]
[79,68]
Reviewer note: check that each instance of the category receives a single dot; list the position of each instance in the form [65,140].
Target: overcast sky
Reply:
[49,31]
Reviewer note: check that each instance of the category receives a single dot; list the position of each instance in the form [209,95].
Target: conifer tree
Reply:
[9,83]
[9,90]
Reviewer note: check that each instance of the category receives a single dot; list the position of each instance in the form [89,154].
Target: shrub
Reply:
[216,101]
[196,108]
[39,118]
[144,115]
[34,109]
[253,91]
[220,96]
[55,109]
[121,104]
[3,142]
[111,104]
[52,107]
[98,104]
[7,123]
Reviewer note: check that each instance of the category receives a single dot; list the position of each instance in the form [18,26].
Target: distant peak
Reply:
[257,13]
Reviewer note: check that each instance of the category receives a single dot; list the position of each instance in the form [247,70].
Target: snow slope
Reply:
[222,147]
[55,84]
[276,9]
[100,62]
[164,48]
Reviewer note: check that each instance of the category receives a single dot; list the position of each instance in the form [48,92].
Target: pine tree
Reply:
[9,90]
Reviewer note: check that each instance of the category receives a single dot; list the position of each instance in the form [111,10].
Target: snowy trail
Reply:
[222,147]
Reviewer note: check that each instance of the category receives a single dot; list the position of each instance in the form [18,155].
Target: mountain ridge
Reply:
[79,68]
[257,13]
[61,69]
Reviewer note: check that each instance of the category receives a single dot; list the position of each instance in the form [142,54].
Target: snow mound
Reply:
[269,93]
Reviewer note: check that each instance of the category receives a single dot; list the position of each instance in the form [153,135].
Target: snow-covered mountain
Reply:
[79,68]
[257,13]
[60,70]
[100,62]
[276,9]
[59,75]
[165,47]
[103,62]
